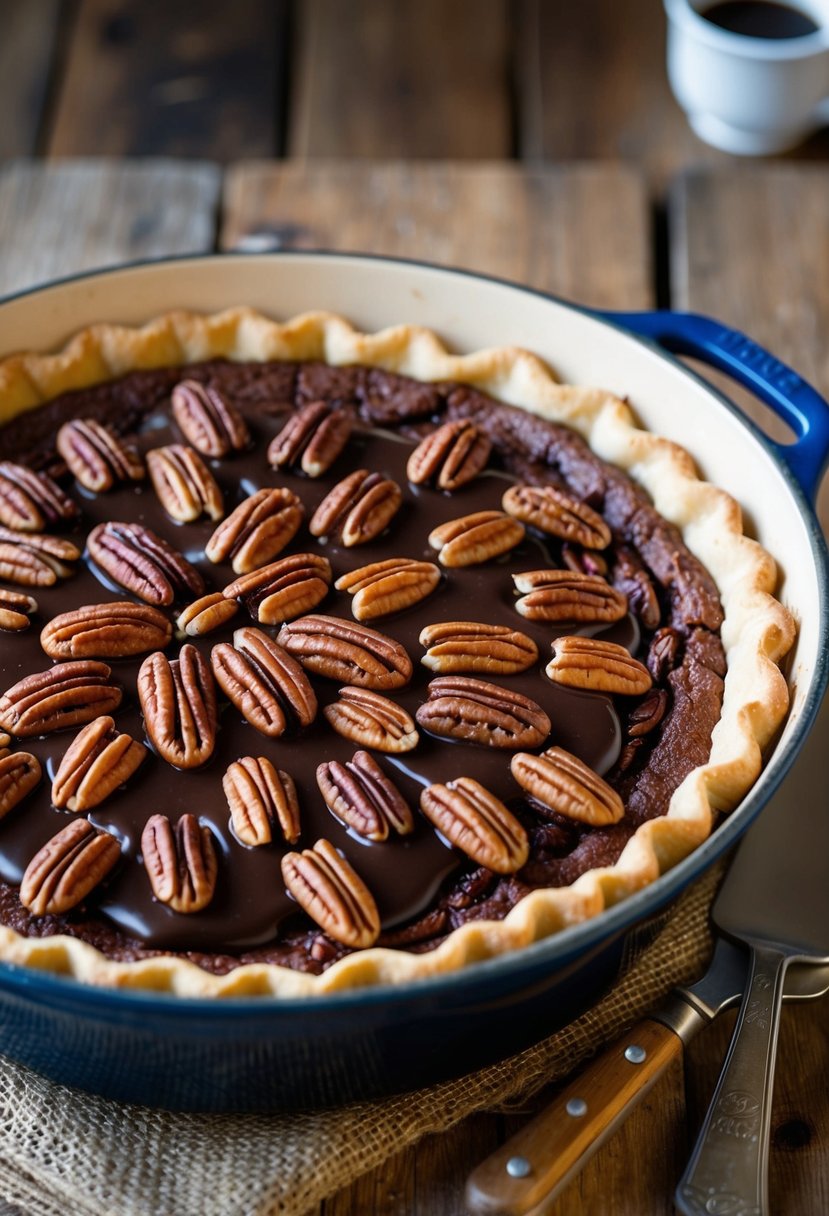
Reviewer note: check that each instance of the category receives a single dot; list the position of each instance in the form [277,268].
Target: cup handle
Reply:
[777,385]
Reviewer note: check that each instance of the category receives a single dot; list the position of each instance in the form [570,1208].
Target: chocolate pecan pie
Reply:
[333,659]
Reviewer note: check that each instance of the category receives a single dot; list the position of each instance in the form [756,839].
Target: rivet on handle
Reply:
[519,1167]
[577,1107]
[635,1054]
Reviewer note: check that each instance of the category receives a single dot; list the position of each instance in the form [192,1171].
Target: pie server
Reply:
[776,898]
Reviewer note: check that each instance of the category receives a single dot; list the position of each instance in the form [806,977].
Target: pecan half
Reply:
[647,715]
[178,700]
[67,868]
[472,646]
[630,577]
[15,610]
[206,614]
[367,718]
[358,509]
[332,893]
[350,653]
[563,783]
[388,586]
[597,666]
[35,561]
[68,694]
[183,483]
[180,862]
[362,797]
[106,631]
[257,530]
[98,760]
[476,538]
[208,420]
[20,772]
[664,653]
[478,823]
[143,563]
[558,514]
[285,589]
[476,711]
[261,798]
[583,561]
[564,595]
[267,686]
[451,456]
[96,457]
[313,437]
[31,501]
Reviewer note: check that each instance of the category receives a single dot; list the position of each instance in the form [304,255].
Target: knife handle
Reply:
[539,1160]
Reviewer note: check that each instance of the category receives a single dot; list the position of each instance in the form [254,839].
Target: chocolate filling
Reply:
[423,888]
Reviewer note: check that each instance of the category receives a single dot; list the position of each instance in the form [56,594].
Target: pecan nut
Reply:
[371,720]
[344,651]
[20,772]
[285,589]
[206,614]
[178,701]
[664,653]
[208,421]
[183,483]
[68,694]
[35,561]
[181,862]
[564,595]
[463,646]
[261,798]
[362,797]
[451,456]
[558,514]
[476,538]
[647,715]
[478,823]
[358,509]
[583,561]
[267,686]
[106,631]
[332,893]
[67,868]
[631,578]
[476,711]
[96,457]
[257,530]
[31,501]
[15,610]
[597,666]
[143,563]
[388,586]
[313,438]
[99,759]
[563,783]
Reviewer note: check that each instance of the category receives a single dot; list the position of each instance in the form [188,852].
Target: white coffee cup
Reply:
[748,95]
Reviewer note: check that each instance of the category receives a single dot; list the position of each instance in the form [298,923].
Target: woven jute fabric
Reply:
[62,1151]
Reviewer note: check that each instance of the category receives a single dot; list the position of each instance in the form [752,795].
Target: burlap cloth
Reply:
[64,1153]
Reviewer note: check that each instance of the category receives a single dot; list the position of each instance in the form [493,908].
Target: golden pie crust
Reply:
[757,631]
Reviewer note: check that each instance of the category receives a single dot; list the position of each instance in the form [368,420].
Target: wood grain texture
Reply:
[30,30]
[192,78]
[410,78]
[750,245]
[85,214]
[591,82]
[529,225]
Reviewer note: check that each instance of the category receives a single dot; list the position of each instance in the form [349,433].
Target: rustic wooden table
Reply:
[647,215]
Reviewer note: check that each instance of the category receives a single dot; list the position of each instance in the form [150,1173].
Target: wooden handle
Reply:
[532,1167]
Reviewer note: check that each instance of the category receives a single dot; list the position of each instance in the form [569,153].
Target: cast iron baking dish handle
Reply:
[728,350]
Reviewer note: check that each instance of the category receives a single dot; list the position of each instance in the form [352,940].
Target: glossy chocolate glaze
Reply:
[407,876]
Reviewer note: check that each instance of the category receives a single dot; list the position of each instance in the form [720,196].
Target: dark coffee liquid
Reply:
[760,19]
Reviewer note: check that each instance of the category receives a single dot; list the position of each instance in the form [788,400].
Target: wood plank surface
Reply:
[30,30]
[85,214]
[581,231]
[750,245]
[412,78]
[191,78]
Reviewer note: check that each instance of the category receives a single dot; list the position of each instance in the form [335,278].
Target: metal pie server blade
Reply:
[776,900]
[526,1174]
